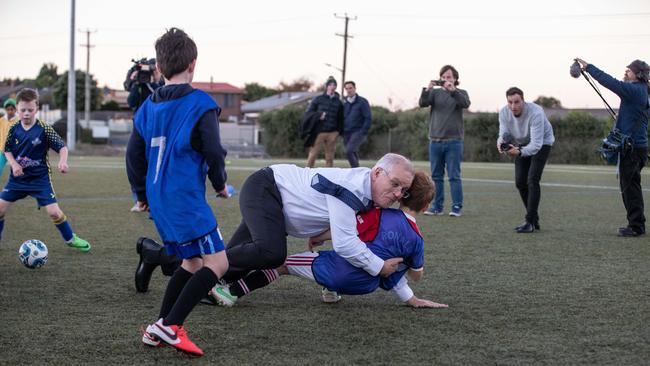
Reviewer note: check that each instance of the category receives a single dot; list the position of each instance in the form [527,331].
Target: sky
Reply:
[397,46]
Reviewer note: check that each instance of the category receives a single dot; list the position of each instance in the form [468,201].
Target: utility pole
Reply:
[345,47]
[72,90]
[87,86]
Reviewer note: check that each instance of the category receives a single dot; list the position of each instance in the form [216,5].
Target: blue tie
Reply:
[325,186]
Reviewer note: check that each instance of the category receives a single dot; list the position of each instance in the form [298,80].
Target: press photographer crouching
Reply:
[632,121]
[142,80]
[525,134]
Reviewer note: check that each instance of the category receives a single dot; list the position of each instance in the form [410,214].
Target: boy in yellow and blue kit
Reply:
[26,151]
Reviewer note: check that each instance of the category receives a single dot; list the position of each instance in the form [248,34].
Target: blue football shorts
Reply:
[44,196]
[208,244]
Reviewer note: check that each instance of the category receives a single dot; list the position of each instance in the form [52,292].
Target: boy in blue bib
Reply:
[175,144]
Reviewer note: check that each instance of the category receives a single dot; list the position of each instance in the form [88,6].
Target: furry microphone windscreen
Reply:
[575,69]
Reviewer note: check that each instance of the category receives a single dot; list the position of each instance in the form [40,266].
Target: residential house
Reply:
[228,97]
[252,110]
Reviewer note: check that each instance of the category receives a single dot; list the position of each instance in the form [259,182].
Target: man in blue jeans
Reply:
[446,132]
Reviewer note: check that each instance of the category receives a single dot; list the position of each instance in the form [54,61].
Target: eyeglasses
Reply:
[397,185]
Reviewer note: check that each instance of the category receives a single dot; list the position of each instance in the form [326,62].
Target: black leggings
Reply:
[260,241]
[528,173]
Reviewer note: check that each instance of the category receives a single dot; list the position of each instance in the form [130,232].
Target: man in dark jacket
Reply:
[330,108]
[632,120]
[357,121]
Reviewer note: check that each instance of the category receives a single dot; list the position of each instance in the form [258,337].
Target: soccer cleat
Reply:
[151,340]
[77,242]
[221,293]
[330,297]
[149,253]
[172,335]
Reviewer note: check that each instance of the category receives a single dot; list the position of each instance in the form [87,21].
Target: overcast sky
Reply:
[398,46]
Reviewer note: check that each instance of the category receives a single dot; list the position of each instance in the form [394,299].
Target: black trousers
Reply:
[260,241]
[528,173]
[630,168]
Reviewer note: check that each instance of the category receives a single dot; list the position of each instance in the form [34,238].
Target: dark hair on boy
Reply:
[175,51]
[514,90]
[421,192]
[453,72]
[27,95]
[350,82]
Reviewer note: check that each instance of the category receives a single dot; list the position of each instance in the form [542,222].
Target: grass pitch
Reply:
[573,293]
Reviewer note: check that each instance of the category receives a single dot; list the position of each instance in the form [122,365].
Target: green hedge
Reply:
[405,132]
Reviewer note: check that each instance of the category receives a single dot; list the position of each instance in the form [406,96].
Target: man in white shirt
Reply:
[285,199]
[526,135]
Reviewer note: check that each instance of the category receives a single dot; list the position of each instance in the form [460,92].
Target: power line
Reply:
[518,16]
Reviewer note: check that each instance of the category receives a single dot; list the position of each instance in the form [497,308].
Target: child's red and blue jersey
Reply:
[29,148]
[392,235]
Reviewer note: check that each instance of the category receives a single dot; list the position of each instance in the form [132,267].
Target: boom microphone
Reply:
[574,70]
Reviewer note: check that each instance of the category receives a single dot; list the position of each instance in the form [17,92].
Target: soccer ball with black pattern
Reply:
[33,253]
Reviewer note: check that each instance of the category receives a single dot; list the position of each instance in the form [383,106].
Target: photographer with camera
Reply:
[525,134]
[142,80]
[632,121]
[446,133]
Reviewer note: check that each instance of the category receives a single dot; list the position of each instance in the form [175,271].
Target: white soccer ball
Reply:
[33,253]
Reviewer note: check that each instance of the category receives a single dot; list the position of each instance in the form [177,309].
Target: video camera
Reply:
[145,68]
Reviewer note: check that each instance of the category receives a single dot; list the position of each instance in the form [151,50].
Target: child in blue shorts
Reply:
[175,144]
[26,151]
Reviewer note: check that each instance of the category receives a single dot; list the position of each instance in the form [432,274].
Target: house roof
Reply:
[277,101]
[212,87]
[7,90]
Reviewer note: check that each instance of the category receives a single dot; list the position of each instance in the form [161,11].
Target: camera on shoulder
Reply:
[145,68]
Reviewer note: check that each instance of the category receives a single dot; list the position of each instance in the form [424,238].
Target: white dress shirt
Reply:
[308,212]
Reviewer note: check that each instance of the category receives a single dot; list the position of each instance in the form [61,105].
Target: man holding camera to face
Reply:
[446,133]
[525,134]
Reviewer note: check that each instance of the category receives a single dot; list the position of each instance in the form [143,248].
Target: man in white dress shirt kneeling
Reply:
[285,199]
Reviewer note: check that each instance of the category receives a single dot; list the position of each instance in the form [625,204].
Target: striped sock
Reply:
[64,228]
[253,281]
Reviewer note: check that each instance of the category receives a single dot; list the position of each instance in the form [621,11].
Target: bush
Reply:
[281,132]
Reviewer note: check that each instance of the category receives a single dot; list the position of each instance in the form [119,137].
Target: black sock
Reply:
[174,288]
[196,288]
[253,281]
